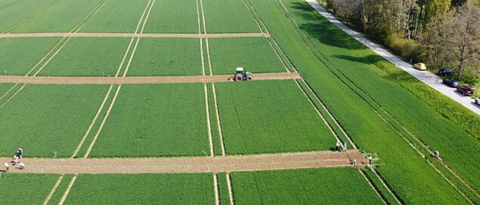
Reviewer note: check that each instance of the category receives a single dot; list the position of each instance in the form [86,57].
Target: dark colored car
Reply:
[445,72]
[450,82]
[466,90]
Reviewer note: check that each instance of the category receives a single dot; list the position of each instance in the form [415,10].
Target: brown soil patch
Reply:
[135,35]
[190,164]
[140,80]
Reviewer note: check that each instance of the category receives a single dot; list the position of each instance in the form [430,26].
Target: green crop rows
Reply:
[171,16]
[220,17]
[26,188]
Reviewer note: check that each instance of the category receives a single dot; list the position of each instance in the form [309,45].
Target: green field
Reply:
[171,16]
[19,12]
[116,16]
[20,55]
[26,188]
[162,56]
[303,186]
[220,17]
[48,120]
[87,57]
[229,53]
[155,120]
[142,189]
[269,117]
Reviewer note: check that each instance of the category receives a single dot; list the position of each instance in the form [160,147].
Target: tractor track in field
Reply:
[140,80]
[216,164]
[136,35]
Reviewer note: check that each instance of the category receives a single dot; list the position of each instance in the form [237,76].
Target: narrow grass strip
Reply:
[215,189]
[223,188]
[217,143]
[230,189]
[373,187]
[209,127]
[47,199]
[57,196]
[62,200]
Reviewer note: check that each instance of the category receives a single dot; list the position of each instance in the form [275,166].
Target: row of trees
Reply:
[441,33]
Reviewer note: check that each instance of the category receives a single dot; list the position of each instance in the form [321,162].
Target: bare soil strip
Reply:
[191,164]
[140,80]
[135,35]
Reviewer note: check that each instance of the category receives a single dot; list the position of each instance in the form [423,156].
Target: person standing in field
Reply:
[21,165]
[345,147]
[338,145]
[7,166]
[369,158]
[19,153]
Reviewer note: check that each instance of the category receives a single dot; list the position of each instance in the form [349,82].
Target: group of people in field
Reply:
[15,161]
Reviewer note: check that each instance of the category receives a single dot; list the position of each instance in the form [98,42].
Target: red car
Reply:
[466,90]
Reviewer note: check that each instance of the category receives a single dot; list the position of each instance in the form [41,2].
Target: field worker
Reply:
[19,153]
[7,166]
[338,145]
[21,165]
[437,155]
[345,147]
[369,158]
[354,162]
[14,160]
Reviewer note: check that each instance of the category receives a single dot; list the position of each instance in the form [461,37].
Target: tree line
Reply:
[440,33]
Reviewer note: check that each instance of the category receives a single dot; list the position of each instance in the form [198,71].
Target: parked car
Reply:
[450,82]
[466,90]
[445,72]
[420,66]
[477,100]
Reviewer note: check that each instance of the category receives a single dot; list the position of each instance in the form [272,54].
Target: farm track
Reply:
[217,164]
[140,80]
[135,35]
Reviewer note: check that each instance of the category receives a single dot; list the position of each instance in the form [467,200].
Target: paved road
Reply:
[299,160]
[428,78]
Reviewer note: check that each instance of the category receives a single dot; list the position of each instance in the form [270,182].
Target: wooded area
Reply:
[441,33]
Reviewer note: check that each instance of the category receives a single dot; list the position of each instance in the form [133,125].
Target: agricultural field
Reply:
[270,117]
[346,91]
[229,53]
[155,120]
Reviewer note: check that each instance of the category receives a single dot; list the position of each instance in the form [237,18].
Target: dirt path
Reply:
[135,35]
[140,80]
[191,164]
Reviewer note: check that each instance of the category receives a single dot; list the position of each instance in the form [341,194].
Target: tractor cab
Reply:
[241,74]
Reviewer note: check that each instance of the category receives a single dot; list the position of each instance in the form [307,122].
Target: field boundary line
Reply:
[209,126]
[51,57]
[371,185]
[319,114]
[222,143]
[54,188]
[8,91]
[124,57]
[103,122]
[147,16]
[64,197]
[215,189]
[253,16]
[141,17]
[14,94]
[87,18]
[46,55]
[203,17]
[93,122]
[198,16]
[230,189]
[386,186]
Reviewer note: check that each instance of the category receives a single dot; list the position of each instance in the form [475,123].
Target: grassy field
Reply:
[88,57]
[26,188]
[171,16]
[142,189]
[162,56]
[18,12]
[155,120]
[116,16]
[269,117]
[48,120]
[229,53]
[221,18]
[21,54]
[303,186]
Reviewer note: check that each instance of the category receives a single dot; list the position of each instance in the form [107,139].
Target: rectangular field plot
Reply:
[142,189]
[88,57]
[230,16]
[26,188]
[303,186]
[155,120]
[162,56]
[20,55]
[116,16]
[13,12]
[269,117]
[60,16]
[173,16]
[254,54]
[48,120]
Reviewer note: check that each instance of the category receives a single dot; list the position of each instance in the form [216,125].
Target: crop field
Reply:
[48,120]
[87,57]
[228,53]
[272,116]
[116,16]
[21,54]
[163,57]
[303,186]
[171,16]
[342,90]
[155,120]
